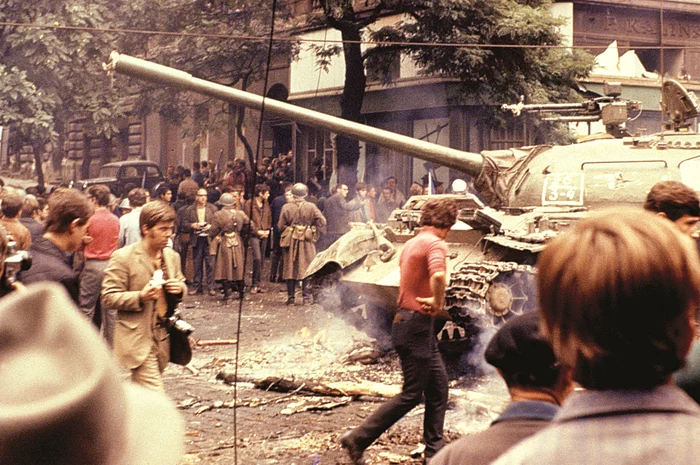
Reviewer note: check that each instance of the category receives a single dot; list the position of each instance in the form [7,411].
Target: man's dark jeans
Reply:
[203,262]
[258,247]
[413,337]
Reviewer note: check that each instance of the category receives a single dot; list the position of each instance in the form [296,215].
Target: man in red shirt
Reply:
[423,264]
[101,240]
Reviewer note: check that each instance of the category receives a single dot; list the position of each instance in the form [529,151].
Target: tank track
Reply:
[488,293]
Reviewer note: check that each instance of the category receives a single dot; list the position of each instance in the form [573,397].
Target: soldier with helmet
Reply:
[305,221]
[229,228]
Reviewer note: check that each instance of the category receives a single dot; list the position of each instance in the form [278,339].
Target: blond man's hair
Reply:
[617,293]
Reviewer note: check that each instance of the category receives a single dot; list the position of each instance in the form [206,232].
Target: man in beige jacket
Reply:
[135,287]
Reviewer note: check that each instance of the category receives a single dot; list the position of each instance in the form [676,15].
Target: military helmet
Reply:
[300,190]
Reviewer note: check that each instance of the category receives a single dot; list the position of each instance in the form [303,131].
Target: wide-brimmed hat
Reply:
[63,401]
[226,200]
[125,204]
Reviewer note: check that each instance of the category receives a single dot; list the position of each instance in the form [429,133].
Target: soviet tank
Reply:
[527,195]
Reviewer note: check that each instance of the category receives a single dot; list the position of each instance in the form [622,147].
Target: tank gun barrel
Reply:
[470,163]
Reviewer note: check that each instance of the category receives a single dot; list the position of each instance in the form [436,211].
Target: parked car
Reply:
[117,175]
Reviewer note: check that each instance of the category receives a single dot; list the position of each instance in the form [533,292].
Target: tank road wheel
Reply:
[479,299]
[511,293]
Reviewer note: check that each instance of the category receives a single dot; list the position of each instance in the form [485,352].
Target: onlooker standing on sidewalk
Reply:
[164,194]
[100,242]
[141,342]
[396,196]
[362,214]
[66,225]
[197,175]
[187,187]
[11,208]
[299,214]
[277,260]
[196,221]
[183,239]
[336,211]
[230,225]
[260,226]
[129,232]
[423,265]
[385,208]
[31,216]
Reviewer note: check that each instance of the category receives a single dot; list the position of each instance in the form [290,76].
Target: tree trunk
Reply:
[348,149]
[38,166]
[250,180]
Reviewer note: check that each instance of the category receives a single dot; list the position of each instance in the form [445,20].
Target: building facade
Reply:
[636,40]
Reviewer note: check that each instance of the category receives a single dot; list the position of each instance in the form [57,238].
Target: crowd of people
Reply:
[605,371]
[252,203]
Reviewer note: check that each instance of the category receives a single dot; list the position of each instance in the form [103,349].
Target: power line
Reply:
[326,41]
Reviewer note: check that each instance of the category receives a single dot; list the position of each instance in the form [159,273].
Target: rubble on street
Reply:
[333,376]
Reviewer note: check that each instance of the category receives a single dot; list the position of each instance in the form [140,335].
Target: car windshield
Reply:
[108,172]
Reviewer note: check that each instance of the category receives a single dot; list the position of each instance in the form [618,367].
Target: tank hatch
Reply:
[678,104]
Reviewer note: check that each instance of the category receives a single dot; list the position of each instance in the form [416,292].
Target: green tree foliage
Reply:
[50,73]
[512,48]
[225,41]
[496,65]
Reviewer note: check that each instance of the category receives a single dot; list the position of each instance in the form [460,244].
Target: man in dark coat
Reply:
[66,226]
[277,262]
[537,385]
[336,210]
[258,209]
[302,216]
[196,221]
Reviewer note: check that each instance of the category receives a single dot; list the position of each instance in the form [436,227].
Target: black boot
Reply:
[227,290]
[291,288]
[240,287]
[305,292]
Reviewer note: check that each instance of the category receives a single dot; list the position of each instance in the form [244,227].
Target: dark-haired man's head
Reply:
[156,221]
[439,213]
[261,190]
[66,222]
[30,207]
[11,206]
[100,193]
[677,202]
[361,189]
[164,193]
